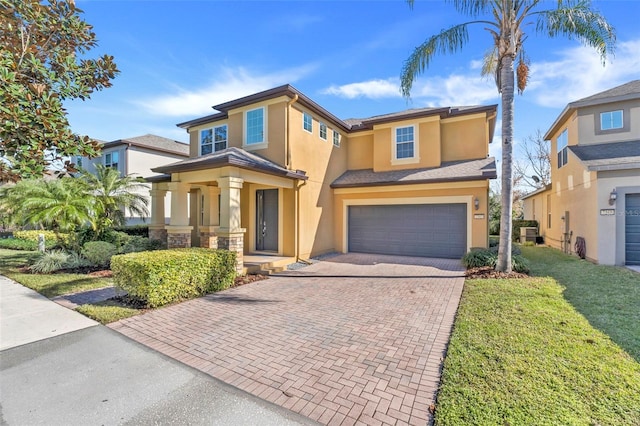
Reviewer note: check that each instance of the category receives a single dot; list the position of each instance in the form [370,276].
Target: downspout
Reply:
[287,150]
[297,196]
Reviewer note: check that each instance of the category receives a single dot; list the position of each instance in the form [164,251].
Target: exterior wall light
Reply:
[613,197]
[476,203]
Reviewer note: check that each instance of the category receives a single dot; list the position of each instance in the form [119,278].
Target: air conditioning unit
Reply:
[528,233]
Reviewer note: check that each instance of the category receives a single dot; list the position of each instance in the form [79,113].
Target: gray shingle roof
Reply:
[609,156]
[630,88]
[447,172]
[231,157]
[153,142]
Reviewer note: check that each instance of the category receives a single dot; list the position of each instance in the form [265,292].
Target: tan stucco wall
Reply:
[360,151]
[464,138]
[461,192]
[589,119]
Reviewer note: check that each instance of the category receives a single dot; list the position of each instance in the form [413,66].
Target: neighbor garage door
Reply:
[430,230]
[632,229]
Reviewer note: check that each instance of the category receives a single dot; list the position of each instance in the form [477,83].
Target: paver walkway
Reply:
[354,339]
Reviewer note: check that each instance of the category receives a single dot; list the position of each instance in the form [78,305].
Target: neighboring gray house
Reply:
[137,156]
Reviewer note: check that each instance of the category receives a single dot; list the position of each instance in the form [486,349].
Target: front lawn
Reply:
[608,296]
[49,285]
[521,354]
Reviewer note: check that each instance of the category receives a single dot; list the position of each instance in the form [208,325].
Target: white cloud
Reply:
[578,73]
[229,84]
[373,89]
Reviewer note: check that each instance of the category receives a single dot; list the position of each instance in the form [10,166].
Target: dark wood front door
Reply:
[267,220]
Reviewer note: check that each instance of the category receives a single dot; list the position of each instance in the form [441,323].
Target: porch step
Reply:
[266,265]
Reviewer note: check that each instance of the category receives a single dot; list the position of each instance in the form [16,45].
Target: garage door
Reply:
[430,230]
[632,229]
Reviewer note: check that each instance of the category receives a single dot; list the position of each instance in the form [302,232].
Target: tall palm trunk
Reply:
[507,87]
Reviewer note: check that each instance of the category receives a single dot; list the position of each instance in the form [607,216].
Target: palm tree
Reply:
[61,205]
[113,195]
[507,21]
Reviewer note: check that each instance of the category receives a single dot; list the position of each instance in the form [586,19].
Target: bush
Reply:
[76,260]
[99,253]
[134,230]
[18,244]
[51,238]
[481,257]
[137,243]
[165,276]
[50,262]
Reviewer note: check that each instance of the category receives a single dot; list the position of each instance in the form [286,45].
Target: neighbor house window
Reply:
[562,142]
[255,126]
[323,131]
[611,120]
[111,160]
[79,161]
[212,140]
[307,122]
[336,138]
[404,142]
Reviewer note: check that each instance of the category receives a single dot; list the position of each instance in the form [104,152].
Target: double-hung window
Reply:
[611,120]
[562,142]
[111,159]
[404,142]
[212,140]
[336,138]
[323,131]
[254,127]
[307,122]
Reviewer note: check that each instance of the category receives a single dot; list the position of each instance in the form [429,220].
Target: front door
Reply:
[267,220]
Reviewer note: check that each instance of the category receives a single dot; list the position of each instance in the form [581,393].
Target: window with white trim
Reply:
[611,120]
[323,131]
[562,142]
[307,122]
[213,140]
[336,138]
[111,159]
[405,142]
[255,126]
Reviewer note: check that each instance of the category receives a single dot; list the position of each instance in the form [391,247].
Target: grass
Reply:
[608,296]
[521,354]
[107,311]
[49,285]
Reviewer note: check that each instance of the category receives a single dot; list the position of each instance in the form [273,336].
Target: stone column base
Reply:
[179,236]
[234,241]
[209,237]
[158,233]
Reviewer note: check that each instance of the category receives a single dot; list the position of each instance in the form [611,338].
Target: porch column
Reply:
[210,221]
[230,234]
[178,230]
[157,230]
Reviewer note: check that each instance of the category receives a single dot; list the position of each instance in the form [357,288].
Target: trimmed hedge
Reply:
[165,276]
[134,230]
[49,236]
[18,244]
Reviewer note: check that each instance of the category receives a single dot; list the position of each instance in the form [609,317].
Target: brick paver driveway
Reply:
[352,339]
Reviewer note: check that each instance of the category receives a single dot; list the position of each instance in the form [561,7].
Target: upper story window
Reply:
[212,140]
[562,143]
[255,126]
[307,122]
[323,131]
[611,120]
[336,138]
[111,159]
[405,142]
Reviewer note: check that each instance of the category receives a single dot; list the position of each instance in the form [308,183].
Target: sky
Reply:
[179,58]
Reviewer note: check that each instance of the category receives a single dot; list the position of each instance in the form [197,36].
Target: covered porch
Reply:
[231,199]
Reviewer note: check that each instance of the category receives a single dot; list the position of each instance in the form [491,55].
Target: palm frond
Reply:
[578,20]
[472,7]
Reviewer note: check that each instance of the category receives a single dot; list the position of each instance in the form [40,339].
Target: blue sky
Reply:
[178,58]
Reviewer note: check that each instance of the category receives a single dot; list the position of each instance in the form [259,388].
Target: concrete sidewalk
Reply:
[27,316]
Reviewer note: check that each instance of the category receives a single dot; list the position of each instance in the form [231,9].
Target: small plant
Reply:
[50,262]
[77,260]
[481,257]
[520,264]
[529,243]
[99,253]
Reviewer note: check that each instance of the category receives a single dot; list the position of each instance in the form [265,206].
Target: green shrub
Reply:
[77,260]
[99,253]
[494,240]
[520,263]
[50,262]
[137,243]
[18,244]
[481,257]
[112,236]
[134,230]
[165,276]
[50,237]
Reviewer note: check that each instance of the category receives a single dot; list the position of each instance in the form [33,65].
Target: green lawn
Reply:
[608,296]
[49,285]
[521,354]
[107,311]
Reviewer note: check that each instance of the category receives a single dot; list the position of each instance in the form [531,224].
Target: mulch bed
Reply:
[487,272]
[248,279]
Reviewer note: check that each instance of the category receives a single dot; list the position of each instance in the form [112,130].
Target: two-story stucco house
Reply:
[137,156]
[275,173]
[595,178]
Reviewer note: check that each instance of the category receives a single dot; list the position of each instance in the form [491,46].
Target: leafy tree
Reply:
[42,64]
[506,22]
[534,170]
[113,195]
